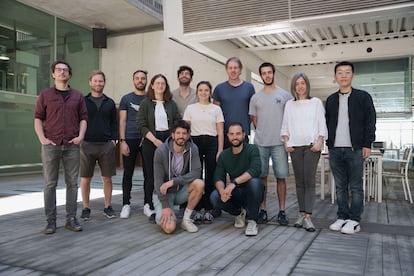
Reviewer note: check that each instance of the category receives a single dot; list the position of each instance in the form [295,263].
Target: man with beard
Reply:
[266,111]
[177,169]
[99,143]
[184,95]
[233,96]
[129,137]
[244,193]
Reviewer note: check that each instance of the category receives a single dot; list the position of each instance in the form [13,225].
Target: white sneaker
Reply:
[147,210]
[351,227]
[240,220]
[126,210]
[189,226]
[251,229]
[337,225]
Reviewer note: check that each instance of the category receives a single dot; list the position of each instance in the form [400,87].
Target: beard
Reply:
[269,83]
[236,143]
[140,86]
[180,142]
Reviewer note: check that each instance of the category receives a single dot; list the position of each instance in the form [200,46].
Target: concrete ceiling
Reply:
[117,16]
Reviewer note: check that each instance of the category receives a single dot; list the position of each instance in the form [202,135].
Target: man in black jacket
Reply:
[99,143]
[350,118]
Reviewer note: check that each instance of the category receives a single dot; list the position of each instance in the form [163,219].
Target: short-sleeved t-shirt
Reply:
[203,118]
[269,108]
[234,102]
[130,102]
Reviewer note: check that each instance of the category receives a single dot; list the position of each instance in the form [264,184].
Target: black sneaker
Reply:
[198,218]
[282,219]
[72,224]
[216,213]
[50,228]
[109,212]
[86,213]
[262,218]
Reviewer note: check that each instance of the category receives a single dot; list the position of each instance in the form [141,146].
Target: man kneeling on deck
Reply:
[177,170]
[245,192]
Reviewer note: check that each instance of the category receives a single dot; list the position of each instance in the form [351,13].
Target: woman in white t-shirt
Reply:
[207,123]
[303,132]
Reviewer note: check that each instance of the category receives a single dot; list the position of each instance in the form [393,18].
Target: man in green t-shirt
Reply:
[243,195]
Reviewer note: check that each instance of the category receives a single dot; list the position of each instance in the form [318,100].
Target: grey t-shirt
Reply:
[269,108]
[181,102]
[343,135]
[130,102]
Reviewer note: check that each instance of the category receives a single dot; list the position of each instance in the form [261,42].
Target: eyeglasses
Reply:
[57,69]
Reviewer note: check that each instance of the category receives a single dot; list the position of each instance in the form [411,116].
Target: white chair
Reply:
[401,171]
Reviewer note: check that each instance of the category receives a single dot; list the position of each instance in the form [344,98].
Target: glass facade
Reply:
[30,40]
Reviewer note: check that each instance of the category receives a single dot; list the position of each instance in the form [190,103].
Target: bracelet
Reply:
[122,140]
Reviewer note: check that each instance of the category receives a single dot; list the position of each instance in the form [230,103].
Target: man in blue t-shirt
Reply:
[233,96]
[129,136]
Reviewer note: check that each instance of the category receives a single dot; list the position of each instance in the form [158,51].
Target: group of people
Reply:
[195,150]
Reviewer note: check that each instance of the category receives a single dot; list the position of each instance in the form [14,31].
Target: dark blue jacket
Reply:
[102,122]
[362,118]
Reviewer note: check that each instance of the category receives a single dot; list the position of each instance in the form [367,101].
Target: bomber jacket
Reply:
[102,122]
[362,118]
[146,117]
[163,171]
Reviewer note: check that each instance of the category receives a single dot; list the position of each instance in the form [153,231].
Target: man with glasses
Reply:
[60,120]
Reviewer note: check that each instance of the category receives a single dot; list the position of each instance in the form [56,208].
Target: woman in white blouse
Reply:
[303,132]
[207,123]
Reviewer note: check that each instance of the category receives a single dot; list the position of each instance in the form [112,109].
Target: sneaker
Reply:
[337,225]
[189,226]
[262,219]
[147,210]
[308,225]
[282,219]
[50,228]
[208,217]
[240,220]
[351,227]
[198,218]
[109,212]
[72,224]
[86,213]
[216,213]
[251,229]
[126,210]
[299,222]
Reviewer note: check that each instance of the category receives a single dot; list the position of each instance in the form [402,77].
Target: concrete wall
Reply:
[156,54]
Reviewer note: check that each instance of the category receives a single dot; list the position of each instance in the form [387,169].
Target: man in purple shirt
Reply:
[60,120]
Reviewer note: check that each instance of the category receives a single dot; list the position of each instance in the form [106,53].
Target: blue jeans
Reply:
[347,167]
[51,157]
[248,195]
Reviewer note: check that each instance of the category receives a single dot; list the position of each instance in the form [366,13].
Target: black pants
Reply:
[129,167]
[207,147]
[148,149]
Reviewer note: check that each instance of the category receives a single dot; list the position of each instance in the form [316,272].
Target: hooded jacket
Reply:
[163,168]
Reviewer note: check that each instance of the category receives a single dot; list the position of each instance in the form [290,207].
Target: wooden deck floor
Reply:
[133,246]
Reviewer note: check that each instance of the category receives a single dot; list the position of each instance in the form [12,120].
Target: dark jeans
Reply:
[347,168]
[207,148]
[129,167]
[248,195]
[305,163]
[51,157]
[148,149]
